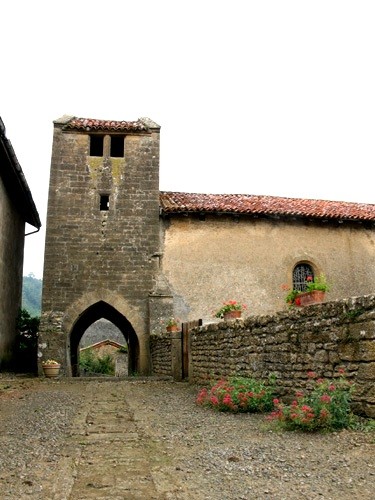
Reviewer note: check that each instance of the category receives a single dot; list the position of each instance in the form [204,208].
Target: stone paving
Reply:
[113,462]
[95,449]
[80,439]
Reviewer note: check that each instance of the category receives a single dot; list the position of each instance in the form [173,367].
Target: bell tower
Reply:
[102,236]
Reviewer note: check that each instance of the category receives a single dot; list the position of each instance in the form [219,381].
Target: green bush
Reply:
[26,342]
[238,394]
[97,364]
[325,407]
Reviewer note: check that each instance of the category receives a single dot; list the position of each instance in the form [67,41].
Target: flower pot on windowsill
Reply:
[172,328]
[232,315]
[51,371]
[313,297]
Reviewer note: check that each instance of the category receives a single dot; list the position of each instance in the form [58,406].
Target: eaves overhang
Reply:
[271,207]
[94,125]
[15,182]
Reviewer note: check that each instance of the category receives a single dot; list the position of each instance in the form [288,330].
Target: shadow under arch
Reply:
[97,311]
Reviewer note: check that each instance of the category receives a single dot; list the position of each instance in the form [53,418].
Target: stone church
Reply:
[117,248]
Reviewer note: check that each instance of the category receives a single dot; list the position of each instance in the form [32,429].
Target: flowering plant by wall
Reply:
[172,321]
[50,362]
[325,407]
[312,283]
[317,283]
[292,296]
[238,394]
[230,305]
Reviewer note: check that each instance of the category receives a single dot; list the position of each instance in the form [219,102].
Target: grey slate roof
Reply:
[15,181]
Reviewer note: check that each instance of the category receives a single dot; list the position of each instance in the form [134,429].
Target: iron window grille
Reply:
[300,274]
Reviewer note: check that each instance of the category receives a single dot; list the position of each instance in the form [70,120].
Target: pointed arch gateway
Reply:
[93,313]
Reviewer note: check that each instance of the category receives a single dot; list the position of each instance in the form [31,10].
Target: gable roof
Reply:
[95,125]
[257,205]
[15,181]
[103,343]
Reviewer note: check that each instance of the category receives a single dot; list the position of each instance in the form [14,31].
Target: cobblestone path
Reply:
[134,439]
[113,459]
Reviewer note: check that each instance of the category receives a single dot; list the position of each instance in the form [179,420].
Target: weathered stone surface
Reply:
[366,371]
[102,243]
[247,348]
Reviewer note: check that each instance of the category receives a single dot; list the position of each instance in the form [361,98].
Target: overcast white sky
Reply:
[265,97]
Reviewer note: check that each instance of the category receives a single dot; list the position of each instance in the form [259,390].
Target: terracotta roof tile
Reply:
[102,343]
[90,124]
[173,202]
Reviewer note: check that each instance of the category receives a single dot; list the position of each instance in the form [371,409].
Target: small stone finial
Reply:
[149,123]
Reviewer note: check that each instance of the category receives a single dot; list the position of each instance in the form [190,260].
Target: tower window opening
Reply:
[104,202]
[117,146]
[96,145]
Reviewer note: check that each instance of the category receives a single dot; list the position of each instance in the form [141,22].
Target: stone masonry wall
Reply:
[161,354]
[88,249]
[321,338]
[100,255]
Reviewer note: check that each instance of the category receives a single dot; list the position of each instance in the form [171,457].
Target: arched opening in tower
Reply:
[98,311]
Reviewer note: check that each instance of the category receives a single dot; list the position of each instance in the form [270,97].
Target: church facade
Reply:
[117,248]
[254,248]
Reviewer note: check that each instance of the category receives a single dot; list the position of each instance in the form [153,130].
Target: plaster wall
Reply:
[221,258]
[12,229]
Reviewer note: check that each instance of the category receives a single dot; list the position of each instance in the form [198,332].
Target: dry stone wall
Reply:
[321,338]
[161,354]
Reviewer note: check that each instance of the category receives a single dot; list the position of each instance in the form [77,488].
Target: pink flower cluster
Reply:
[325,406]
[236,395]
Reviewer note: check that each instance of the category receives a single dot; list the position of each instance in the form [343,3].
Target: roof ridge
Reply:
[93,124]
[181,202]
[265,196]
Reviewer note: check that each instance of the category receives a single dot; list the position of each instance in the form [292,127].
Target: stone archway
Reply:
[94,312]
[61,331]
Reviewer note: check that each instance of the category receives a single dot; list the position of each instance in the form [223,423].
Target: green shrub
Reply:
[238,394]
[97,364]
[325,407]
[26,342]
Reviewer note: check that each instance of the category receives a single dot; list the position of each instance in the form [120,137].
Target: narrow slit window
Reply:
[96,145]
[104,202]
[117,146]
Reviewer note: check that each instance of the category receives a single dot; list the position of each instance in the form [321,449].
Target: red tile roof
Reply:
[90,124]
[174,203]
[103,343]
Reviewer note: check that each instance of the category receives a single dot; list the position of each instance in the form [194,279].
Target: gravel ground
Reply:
[50,429]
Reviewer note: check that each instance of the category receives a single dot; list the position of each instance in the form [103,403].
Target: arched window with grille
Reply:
[300,274]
